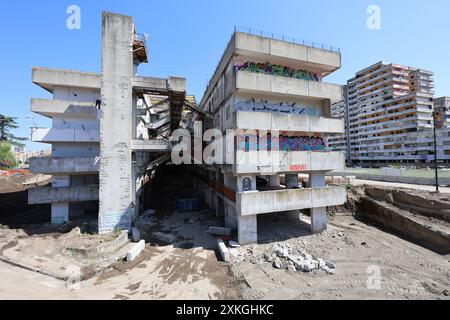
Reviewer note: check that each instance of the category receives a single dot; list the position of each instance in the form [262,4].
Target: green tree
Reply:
[7,158]
[6,125]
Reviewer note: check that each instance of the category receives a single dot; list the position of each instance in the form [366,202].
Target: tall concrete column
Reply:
[319,218]
[116,176]
[291,181]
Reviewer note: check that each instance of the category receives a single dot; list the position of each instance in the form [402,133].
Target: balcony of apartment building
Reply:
[61,165]
[252,82]
[50,135]
[272,162]
[65,194]
[53,108]
[272,121]
[272,201]
[49,78]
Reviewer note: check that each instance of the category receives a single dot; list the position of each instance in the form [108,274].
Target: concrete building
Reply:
[389,117]
[104,140]
[270,93]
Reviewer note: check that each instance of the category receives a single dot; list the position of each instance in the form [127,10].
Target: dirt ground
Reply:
[180,260]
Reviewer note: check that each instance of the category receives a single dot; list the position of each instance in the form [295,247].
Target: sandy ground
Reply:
[358,182]
[371,264]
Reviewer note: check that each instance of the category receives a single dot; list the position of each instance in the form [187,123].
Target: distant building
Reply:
[389,117]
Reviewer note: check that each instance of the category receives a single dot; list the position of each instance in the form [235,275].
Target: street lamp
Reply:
[435,114]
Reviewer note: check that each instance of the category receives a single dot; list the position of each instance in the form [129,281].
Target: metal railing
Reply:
[281,37]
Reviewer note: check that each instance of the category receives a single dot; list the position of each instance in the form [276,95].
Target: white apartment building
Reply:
[272,95]
[390,117]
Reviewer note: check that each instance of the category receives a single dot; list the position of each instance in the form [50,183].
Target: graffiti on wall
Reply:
[278,70]
[282,107]
[283,143]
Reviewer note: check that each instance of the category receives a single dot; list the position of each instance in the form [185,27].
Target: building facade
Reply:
[271,95]
[389,115]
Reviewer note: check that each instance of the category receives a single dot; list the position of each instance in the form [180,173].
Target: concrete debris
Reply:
[164,237]
[135,251]
[149,212]
[285,257]
[234,244]
[135,234]
[219,231]
[223,251]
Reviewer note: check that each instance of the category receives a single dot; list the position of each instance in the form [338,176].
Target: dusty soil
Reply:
[361,253]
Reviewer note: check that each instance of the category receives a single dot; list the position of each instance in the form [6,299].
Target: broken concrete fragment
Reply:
[234,244]
[135,234]
[219,231]
[277,264]
[223,250]
[164,237]
[135,251]
[322,263]
[331,265]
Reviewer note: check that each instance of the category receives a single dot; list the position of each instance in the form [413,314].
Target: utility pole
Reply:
[435,152]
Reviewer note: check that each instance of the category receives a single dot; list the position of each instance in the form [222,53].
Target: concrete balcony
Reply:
[272,162]
[273,121]
[52,108]
[257,82]
[278,51]
[254,202]
[65,165]
[70,194]
[150,145]
[48,78]
[64,135]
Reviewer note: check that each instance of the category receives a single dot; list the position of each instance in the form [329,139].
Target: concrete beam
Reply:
[52,108]
[287,122]
[272,162]
[257,82]
[58,195]
[150,145]
[253,203]
[48,78]
[49,165]
[49,135]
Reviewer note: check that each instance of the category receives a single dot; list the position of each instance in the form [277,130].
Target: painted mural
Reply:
[281,107]
[282,143]
[278,70]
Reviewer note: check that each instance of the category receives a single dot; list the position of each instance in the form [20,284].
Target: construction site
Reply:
[152,193]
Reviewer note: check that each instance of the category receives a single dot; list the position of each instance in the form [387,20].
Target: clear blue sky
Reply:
[187,38]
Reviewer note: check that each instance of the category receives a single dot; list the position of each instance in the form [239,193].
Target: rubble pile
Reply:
[285,257]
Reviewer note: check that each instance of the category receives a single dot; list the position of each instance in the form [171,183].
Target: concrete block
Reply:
[319,220]
[164,237]
[223,251]
[135,234]
[219,231]
[135,251]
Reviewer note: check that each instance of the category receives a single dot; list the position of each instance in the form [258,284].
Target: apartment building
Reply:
[270,93]
[390,116]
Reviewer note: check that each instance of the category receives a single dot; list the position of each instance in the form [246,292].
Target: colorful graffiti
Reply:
[282,107]
[282,143]
[278,70]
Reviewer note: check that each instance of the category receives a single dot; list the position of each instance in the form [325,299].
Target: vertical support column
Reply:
[319,218]
[60,213]
[292,183]
[116,176]
[247,225]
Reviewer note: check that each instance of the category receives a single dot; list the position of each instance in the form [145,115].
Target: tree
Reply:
[7,158]
[6,124]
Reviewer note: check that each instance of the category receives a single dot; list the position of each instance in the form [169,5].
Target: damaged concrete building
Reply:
[271,94]
[110,130]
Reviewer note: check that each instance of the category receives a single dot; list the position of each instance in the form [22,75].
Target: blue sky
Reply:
[187,38]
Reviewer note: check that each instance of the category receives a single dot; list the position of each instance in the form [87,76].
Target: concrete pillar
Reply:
[231,217]
[247,229]
[274,181]
[60,213]
[291,181]
[246,183]
[319,218]
[116,176]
